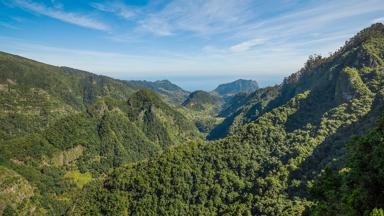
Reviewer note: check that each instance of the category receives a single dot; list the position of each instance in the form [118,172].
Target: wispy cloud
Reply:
[246,45]
[308,19]
[117,8]
[6,25]
[57,13]
[201,16]
[156,26]
[308,25]
[377,20]
[162,64]
[202,37]
[239,22]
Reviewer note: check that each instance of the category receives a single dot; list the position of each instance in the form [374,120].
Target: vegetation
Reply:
[243,109]
[228,90]
[80,179]
[200,100]
[269,165]
[356,188]
[14,190]
[89,145]
[170,92]
[61,127]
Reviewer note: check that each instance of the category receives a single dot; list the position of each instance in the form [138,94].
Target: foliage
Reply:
[60,127]
[79,178]
[241,110]
[169,91]
[199,100]
[228,90]
[266,166]
[146,158]
[357,188]
[14,190]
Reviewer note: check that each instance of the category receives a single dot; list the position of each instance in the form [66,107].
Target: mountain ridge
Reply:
[227,90]
[75,143]
[268,164]
[197,100]
[169,90]
[61,128]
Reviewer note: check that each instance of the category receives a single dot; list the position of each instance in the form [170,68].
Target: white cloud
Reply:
[232,37]
[247,45]
[309,19]
[379,20]
[121,65]
[238,22]
[156,26]
[6,25]
[117,8]
[76,19]
[199,16]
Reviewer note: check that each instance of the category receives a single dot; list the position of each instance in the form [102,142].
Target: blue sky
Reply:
[195,43]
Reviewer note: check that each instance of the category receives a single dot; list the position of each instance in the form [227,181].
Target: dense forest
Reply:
[274,160]
[61,128]
[74,143]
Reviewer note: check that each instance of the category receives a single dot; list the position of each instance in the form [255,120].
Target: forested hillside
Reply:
[60,128]
[362,53]
[202,107]
[241,109]
[34,95]
[75,143]
[171,92]
[357,187]
[201,100]
[228,90]
[273,161]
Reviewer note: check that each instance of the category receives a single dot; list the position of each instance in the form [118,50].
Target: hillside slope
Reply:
[171,92]
[34,95]
[363,52]
[354,189]
[243,109]
[60,128]
[201,100]
[228,90]
[202,107]
[268,165]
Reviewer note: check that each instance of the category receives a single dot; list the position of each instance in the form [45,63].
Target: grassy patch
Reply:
[80,179]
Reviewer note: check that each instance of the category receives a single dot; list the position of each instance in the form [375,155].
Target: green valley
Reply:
[76,143]
[273,161]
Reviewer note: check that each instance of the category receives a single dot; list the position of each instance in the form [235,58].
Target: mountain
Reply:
[244,108]
[202,107]
[207,109]
[62,128]
[365,54]
[239,86]
[34,95]
[165,88]
[358,181]
[273,161]
[160,122]
[201,100]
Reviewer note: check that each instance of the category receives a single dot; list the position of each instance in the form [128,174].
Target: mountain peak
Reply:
[238,86]
[198,99]
[168,90]
[376,26]
[144,95]
[165,81]
[373,31]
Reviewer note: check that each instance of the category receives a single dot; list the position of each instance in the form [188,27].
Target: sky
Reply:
[197,44]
